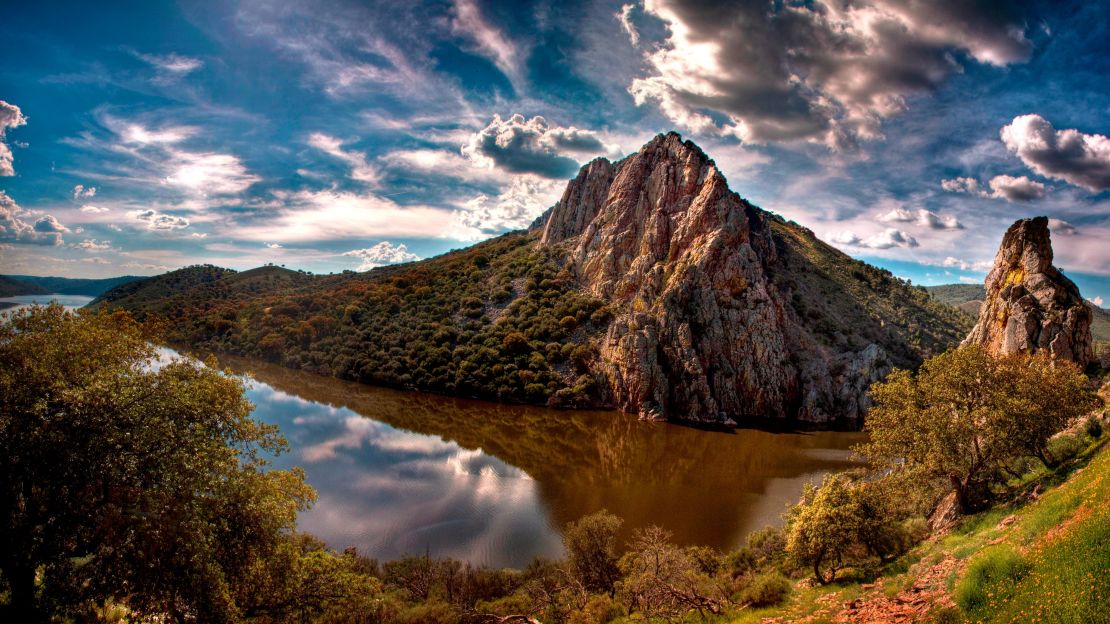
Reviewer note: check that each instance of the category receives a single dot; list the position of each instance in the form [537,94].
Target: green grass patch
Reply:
[990,577]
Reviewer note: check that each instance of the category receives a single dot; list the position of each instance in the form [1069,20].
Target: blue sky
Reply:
[144,136]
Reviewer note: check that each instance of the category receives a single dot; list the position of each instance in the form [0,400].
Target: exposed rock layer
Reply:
[702,333]
[1030,306]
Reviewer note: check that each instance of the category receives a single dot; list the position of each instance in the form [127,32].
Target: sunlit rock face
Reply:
[701,332]
[1030,306]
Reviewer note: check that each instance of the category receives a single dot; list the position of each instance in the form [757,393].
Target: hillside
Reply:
[968,297]
[10,287]
[722,311]
[37,285]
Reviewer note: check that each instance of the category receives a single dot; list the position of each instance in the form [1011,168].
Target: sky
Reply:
[140,137]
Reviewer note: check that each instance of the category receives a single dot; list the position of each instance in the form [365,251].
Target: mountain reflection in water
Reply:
[407,473]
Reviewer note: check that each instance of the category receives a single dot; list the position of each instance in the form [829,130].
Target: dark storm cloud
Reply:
[828,71]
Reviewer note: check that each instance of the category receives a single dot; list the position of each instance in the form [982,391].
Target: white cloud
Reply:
[886,239]
[361,170]
[14,229]
[515,208]
[467,21]
[1097,300]
[10,117]
[91,209]
[273,245]
[208,173]
[92,245]
[1010,188]
[522,145]
[1019,188]
[962,185]
[921,217]
[982,265]
[1063,228]
[339,215]
[80,191]
[825,71]
[1069,155]
[624,16]
[158,221]
[381,254]
[172,63]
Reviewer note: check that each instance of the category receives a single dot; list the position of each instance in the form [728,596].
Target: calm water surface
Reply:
[407,473]
[22,301]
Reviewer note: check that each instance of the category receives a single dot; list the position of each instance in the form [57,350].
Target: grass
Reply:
[1050,563]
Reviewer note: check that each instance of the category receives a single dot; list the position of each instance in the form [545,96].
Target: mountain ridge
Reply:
[651,287]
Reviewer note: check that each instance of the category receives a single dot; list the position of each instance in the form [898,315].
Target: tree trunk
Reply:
[23,606]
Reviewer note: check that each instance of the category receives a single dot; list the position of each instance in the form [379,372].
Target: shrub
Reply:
[767,590]
[1064,447]
[598,610]
[591,545]
[992,574]
[1094,427]
[947,616]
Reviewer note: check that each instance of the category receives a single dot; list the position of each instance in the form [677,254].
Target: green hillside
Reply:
[10,287]
[68,285]
[501,320]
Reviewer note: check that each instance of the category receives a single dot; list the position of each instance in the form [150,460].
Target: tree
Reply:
[665,581]
[826,526]
[965,416]
[591,544]
[122,479]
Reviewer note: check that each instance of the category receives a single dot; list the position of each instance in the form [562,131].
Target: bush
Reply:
[767,590]
[991,575]
[598,610]
[1094,427]
[1064,447]
[591,545]
[948,616]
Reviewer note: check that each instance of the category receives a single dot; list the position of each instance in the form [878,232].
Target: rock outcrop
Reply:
[701,331]
[1030,306]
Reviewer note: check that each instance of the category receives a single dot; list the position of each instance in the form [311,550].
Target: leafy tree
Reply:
[827,526]
[124,480]
[966,415]
[591,544]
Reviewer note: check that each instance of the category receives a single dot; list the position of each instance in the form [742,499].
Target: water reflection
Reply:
[407,473]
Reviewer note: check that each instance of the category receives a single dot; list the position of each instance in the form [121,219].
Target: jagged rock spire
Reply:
[1030,305]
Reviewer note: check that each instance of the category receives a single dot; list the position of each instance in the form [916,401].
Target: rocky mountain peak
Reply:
[1030,305]
[700,330]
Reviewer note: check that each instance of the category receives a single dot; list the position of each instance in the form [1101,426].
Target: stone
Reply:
[701,332]
[1030,305]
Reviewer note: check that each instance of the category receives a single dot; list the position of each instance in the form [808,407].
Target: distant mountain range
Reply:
[15,285]
[969,297]
[649,287]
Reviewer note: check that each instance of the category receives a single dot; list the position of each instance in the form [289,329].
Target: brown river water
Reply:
[411,473]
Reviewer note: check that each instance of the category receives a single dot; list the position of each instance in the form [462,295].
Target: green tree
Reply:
[966,415]
[122,479]
[826,527]
[591,544]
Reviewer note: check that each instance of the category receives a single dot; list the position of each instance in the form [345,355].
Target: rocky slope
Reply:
[1030,306]
[650,287]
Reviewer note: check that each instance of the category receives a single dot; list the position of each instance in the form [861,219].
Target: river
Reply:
[407,473]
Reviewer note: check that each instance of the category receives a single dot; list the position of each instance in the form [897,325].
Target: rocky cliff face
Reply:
[1030,306]
[701,331]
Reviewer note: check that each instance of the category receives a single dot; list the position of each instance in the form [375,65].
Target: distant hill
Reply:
[650,287]
[36,285]
[10,287]
[968,297]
